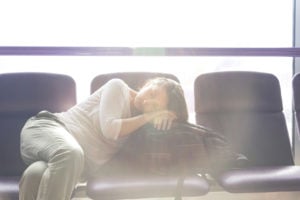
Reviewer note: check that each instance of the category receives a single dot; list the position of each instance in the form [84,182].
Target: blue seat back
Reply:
[135,80]
[22,95]
[296,98]
[247,108]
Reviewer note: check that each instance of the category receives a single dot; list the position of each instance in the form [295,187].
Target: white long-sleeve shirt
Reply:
[96,122]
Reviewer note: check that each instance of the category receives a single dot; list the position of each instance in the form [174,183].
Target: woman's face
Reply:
[151,97]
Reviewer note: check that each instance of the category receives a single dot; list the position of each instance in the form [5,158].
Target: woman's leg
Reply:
[46,140]
[30,181]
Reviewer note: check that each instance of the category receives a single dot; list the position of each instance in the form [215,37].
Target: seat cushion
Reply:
[9,187]
[120,179]
[261,179]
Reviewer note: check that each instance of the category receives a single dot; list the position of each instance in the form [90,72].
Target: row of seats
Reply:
[244,106]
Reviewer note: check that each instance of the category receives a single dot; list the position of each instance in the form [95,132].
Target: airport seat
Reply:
[22,95]
[247,108]
[134,79]
[123,180]
[296,99]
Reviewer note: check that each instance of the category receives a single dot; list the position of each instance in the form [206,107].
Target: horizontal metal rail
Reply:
[144,51]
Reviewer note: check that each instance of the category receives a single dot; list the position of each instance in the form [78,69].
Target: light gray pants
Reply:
[55,161]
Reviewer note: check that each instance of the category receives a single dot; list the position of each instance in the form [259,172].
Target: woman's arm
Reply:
[161,120]
[112,105]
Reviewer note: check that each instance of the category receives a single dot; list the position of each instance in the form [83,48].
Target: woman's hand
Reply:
[162,120]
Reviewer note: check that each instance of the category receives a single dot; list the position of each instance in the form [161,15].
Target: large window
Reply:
[155,23]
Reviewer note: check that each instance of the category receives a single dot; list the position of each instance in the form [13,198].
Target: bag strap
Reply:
[196,128]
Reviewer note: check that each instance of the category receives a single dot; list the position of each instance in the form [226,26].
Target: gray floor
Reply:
[229,196]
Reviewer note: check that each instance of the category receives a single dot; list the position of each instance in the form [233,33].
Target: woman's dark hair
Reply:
[176,99]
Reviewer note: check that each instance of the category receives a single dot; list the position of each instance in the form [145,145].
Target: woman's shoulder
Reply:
[112,85]
[116,81]
[116,84]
